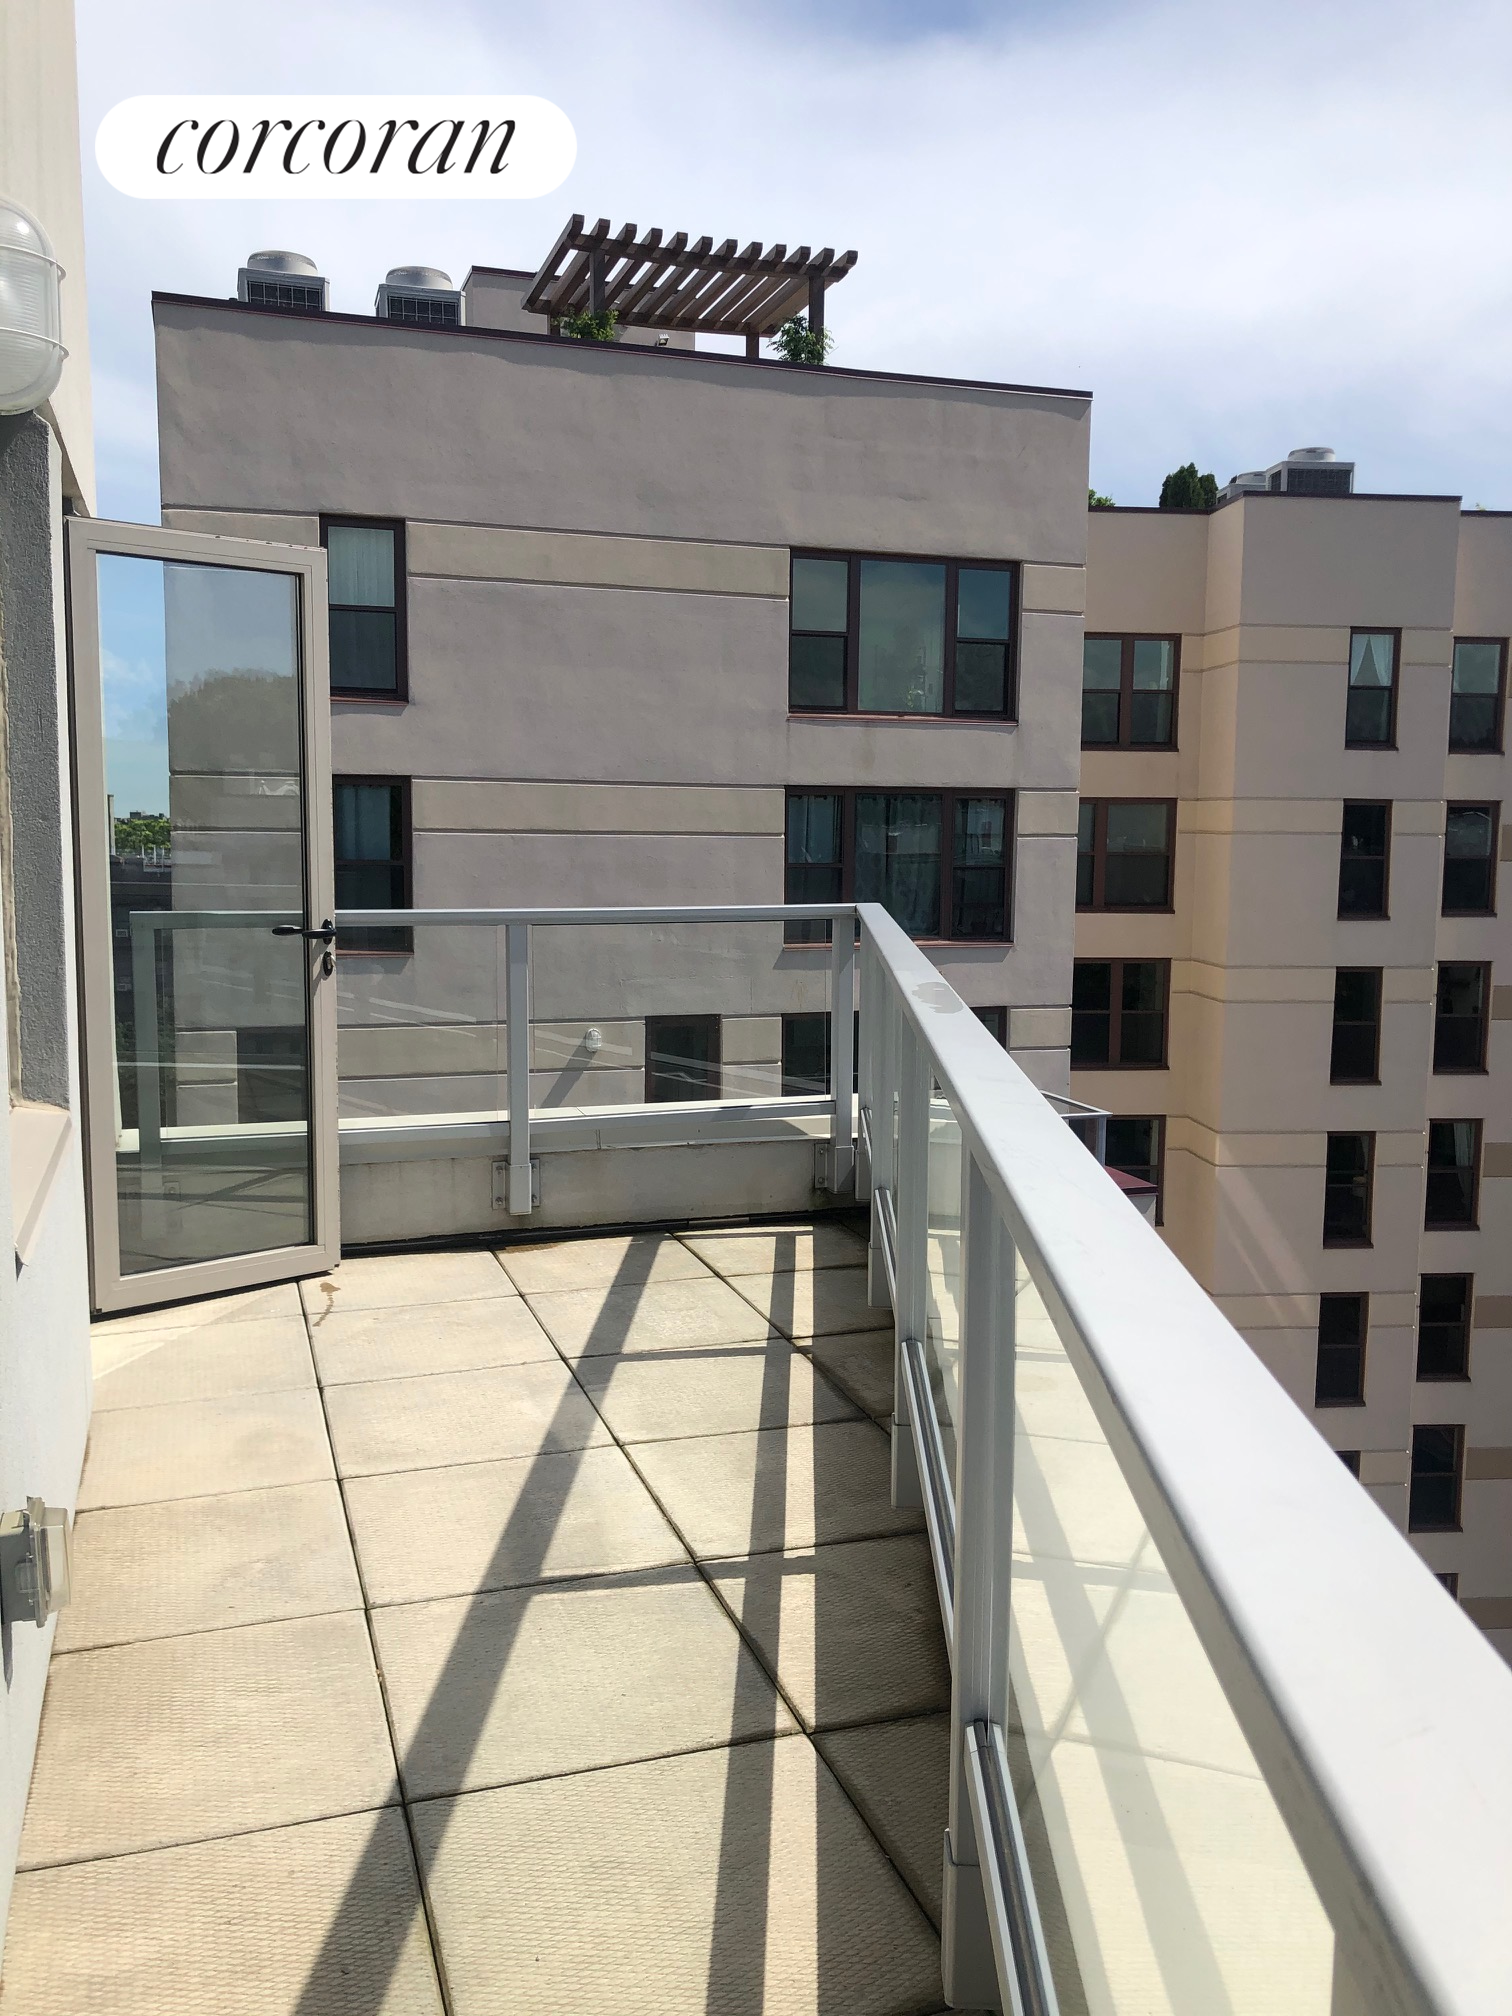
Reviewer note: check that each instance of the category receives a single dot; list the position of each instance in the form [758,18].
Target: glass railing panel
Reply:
[420,1021]
[1166,1878]
[943,1271]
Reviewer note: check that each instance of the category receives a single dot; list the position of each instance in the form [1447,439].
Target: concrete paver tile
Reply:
[443,1337]
[241,1442]
[661,1395]
[459,1417]
[505,1524]
[235,1927]
[203,1564]
[662,1316]
[898,1773]
[763,1249]
[527,1683]
[817,1302]
[852,1631]
[247,1305]
[628,1260]
[137,1368]
[403,1280]
[776,1488]
[727,1881]
[860,1364]
[219,1733]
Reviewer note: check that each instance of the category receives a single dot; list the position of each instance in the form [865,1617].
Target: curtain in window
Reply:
[898,857]
[360,563]
[902,641]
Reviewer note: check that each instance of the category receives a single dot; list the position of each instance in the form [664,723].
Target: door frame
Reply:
[110,1290]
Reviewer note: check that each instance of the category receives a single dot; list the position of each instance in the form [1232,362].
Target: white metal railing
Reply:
[1220,1744]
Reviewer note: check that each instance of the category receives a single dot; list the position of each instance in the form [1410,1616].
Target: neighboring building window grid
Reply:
[1364,857]
[1461,999]
[1119,1013]
[1124,852]
[1129,692]
[365,580]
[1343,1322]
[1370,717]
[874,635]
[1452,1193]
[1469,888]
[372,857]
[1438,1466]
[1355,1053]
[1347,1184]
[939,861]
[1478,686]
[1443,1335]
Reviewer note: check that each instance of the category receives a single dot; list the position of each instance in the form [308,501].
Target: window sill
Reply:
[1126,909]
[1453,1225]
[1467,913]
[1348,1245]
[357,693]
[868,714]
[1332,1405]
[1354,1081]
[1078,1065]
[1422,1526]
[1460,1071]
[39,1136]
[1131,748]
[1442,1379]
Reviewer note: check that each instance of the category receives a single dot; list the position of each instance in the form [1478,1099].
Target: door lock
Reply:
[324,935]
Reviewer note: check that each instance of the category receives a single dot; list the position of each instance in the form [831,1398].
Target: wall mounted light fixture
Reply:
[31,317]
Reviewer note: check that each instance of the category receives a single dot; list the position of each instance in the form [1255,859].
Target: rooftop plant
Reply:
[796,343]
[590,325]
[1185,490]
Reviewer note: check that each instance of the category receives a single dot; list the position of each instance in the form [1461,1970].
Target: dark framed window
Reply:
[1129,692]
[1119,1012]
[373,857]
[1461,1002]
[1364,858]
[1343,1321]
[1355,1053]
[1470,860]
[1438,1469]
[1477,695]
[806,1053]
[1451,1198]
[1370,712]
[366,572]
[1136,1145]
[1348,1179]
[995,1022]
[874,634]
[939,861]
[1443,1333]
[1124,850]
[682,1058]
[1350,1458]
[1450,1580]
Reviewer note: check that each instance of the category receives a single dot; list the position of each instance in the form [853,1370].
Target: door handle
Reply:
[326,935]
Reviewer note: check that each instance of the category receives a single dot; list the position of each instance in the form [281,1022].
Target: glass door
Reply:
[202,769]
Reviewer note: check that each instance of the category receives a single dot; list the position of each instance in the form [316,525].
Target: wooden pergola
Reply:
[653,282]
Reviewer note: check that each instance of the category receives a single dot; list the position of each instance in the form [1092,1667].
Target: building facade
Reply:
[1291,972]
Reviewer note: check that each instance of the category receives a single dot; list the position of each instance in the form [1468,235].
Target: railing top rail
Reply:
[1380,1716]
[633,913]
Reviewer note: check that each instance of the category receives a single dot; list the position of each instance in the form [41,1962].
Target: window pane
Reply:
[682,1058]
[1468,838]
[978,905]
[1472,721]
[805,1053]
[1362,861]
[995,1022]
[1341,1351]
[1477,668]
[981,678]
[1141,1022]
[1434,1497]
[1451,1173]
[1459,1019]
[1154,665]
[813,826]
[1086,827]
[1346,1190]
[820,594]
[368,821]
[1443,1339]
[1354,1056]
[902,641]
[364,657]
[1151,702]
[1091,1012]
[360,565]
[1137,870]
[898,857]
[1102,661]
[1134,1146]
[1372,658]
[816,671]
[984,603]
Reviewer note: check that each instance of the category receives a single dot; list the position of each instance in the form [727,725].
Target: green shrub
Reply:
[796,343]
[1185,490]
[590,326]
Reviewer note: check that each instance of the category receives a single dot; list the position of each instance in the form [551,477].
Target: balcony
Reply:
[931,1602]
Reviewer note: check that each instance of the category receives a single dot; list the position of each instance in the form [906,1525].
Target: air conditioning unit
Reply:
[1306,472]
[286,280]
[420,295]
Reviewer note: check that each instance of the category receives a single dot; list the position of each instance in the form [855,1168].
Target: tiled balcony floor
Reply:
[525,1632]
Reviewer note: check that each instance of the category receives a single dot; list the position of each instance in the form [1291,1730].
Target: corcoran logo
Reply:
[325,148]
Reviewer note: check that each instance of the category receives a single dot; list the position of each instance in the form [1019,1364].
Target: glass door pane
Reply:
[209,1044]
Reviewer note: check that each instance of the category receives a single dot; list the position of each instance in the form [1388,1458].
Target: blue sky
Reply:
[1243,228]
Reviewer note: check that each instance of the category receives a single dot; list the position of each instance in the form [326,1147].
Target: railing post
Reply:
[842,1050]
[865,1067]
[983,1571]
[882,1174]
[144,1009]
[517,1064]
[911,1258]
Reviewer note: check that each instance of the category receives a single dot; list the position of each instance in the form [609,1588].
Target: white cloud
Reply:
[1244,228]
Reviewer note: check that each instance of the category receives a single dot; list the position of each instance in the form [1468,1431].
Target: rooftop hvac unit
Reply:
[286,280]
[420,295]
[1306,472]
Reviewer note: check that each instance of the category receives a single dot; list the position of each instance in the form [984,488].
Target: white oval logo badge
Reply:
[252,145]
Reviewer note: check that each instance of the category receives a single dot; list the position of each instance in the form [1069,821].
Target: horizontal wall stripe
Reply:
[595,560]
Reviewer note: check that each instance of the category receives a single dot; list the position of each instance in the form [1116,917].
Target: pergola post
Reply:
[816,303]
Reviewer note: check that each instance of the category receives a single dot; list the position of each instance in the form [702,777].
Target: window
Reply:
[937,860]
[1438,1462]
[272,1075]
[1350,1458]
[1443,1337]
[806,1053]
[995,1022]
[1346,1189]
[1355,1058]
[1136,1145]
[1470,860]
[1370,714]
[1459,1017]
[879,636]
[682,1057]
[1129,692]
[365,562]
[1477,689]
[372,857]
[1453,1188]
[1449,1579]
[1342,1323]
[1123,854]
[1118,1013]
[1364,849]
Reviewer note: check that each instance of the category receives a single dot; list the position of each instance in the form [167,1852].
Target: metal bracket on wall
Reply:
[500,1168]
[36,1563]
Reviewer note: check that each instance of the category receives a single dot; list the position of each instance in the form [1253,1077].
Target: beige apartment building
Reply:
[643,621]
[1305,693]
